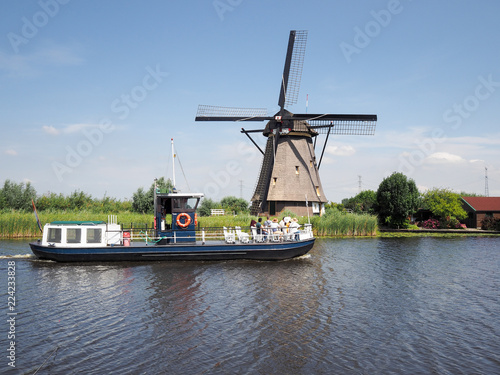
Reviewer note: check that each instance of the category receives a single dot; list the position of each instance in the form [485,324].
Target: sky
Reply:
[91,92]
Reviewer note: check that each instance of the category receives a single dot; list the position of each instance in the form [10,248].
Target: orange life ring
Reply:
[196,219]
[187,220]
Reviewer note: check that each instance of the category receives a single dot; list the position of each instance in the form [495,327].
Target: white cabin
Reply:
[82,233]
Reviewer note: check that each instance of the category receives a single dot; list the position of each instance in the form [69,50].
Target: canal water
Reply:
[351,306]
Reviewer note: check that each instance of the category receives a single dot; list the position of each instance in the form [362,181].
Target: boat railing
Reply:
[234,234]
[250,234]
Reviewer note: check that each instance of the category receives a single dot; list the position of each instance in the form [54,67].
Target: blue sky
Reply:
[92,91]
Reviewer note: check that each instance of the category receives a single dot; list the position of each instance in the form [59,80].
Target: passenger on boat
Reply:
[259,228]
[282,224]
[294,228]
[267,223]
[275,227]
[286,220]
[253,223]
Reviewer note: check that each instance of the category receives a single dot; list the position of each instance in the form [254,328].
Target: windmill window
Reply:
[274,181]
[296,169]
[311,163]
[317,191]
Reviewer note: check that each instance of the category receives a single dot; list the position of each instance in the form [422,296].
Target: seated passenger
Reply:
[275,227]
[259,227]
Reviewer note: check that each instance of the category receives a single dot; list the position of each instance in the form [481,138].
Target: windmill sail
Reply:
[217,113]
[292,72]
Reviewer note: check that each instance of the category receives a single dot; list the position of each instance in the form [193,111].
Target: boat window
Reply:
[94,235]
[181,204]
[74,235]
[191,203]
[54,235]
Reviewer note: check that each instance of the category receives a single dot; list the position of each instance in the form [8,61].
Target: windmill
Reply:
[289,176]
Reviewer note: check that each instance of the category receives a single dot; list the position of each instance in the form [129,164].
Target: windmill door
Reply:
[272,208]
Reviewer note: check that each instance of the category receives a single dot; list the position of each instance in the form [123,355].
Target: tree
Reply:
[363,202]
[17,196]
[140,201]
[334,206]
[143,201]
[397,199]
[445,204]
[206,205]
[237,205]
[78,200]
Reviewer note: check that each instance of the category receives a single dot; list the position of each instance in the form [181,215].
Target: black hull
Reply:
[176,252]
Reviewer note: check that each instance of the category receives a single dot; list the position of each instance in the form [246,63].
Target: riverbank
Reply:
[386,233]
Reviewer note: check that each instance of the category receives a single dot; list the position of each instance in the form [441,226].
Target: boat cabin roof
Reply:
[180,195]
[88,222]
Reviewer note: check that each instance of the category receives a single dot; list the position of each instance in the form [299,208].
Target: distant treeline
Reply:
[19,197]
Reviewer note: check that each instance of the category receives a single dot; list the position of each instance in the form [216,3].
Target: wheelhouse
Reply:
[180,208]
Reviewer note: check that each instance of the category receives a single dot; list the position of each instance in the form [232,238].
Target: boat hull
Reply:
[175,252]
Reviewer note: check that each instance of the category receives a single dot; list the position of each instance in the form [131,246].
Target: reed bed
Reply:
[19,224]
[337,223]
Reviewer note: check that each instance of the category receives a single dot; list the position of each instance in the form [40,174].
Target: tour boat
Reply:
[175,236]
[81,241]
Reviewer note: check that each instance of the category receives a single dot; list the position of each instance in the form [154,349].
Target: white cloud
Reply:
[422,188]
[49,54]
[341,150]
[11,152]
[68,129]
[49,129]
[445,157]
[75,128]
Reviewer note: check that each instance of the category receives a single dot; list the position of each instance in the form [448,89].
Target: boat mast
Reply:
[173,163]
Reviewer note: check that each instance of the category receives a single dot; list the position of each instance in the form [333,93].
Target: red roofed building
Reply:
[480,207]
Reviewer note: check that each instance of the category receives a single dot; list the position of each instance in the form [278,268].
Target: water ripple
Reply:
[361,306]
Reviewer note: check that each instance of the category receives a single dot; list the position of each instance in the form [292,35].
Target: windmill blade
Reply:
[216,113]
[335,124]
[292,72]
[346,127]
[331,117]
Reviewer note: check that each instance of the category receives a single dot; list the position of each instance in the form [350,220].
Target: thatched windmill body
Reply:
[289,175]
